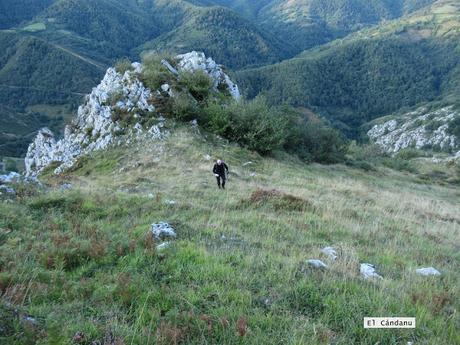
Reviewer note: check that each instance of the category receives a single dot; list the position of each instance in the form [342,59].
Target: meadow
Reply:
[78,263]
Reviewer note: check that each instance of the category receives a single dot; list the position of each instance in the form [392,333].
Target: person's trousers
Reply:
[221,181]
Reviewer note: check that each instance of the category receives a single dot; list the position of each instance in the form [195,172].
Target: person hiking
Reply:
[220,171]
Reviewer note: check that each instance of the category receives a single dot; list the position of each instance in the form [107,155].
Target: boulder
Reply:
[163,230]
[368,272]
[330,252]
[316,264]
[428,271]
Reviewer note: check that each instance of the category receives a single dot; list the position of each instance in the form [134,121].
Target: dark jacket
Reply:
[220,169]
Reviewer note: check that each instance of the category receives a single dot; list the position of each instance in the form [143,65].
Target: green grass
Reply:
[82,259]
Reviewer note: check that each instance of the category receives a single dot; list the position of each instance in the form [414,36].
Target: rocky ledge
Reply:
[421,129]
[99,122]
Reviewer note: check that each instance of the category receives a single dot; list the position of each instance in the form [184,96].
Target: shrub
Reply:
[154,73]
[257,126]
[198,83]
[253,124]
[123,65]
[314,141]
[10,165]
[454,127]
[183,107]
[410,153]
[217,119]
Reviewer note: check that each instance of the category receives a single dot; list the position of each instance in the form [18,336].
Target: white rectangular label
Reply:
[389,322]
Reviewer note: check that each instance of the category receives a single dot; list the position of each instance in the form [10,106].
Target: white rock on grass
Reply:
[368,271]
[428,271]
[317,264]
[163,246]
[330,252]
[163,230]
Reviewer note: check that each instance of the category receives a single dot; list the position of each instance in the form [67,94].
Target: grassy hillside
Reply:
[373,72]
[82,260]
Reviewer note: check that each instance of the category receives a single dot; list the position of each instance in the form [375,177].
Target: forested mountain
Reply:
[224,35]
[39,83]
[373,72]
[308,23]
[14,12]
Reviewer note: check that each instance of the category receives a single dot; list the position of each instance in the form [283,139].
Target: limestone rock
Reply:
[317,264]
[163,230]
[330,252]
[99,124]
[12,177]
[421,129]
[94,128]
[368,271]
[428,271]
[163,246]
[7,190]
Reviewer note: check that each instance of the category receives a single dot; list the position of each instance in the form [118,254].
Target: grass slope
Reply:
[82,260]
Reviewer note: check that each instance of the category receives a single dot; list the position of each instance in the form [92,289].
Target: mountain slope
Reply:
[33,94]
[113,27]
[222,34]
[239,259]
[308,23]
[15,12]
[373,72]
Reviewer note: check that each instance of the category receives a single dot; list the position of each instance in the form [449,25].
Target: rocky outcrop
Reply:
[420,129]
[118,109]
[95,127]
[194,61]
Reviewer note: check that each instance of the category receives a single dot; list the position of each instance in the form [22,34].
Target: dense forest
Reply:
[355,83]
[226,37]
[14,12]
